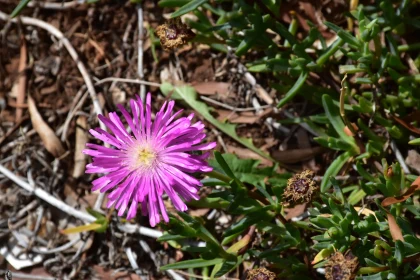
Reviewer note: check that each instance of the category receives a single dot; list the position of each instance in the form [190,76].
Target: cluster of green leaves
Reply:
[371,114]
[369,238]
[248,191]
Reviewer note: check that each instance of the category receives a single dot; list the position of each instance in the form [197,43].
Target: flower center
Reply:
[145,157]
[300,186]
[141,157]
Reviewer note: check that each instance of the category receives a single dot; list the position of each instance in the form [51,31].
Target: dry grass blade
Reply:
[81,140]
[48,137]
[21,86]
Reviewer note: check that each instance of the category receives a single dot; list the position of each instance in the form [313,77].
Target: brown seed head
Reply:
[260,274]
[340,267]
[174,34]
[300,189]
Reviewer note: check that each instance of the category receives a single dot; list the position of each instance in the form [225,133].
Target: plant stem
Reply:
[218,175]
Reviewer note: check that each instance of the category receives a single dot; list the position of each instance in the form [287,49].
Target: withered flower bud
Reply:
[260,274]
[300,189]
[340,267]
[174,34]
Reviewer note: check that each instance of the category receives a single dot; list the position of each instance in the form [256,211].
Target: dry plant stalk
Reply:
[21,81]
[48,137]
[81,140]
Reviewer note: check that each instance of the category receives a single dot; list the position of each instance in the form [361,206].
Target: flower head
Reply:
[260,274]
[152,159]
[174,34]
[300,188]
[341,267]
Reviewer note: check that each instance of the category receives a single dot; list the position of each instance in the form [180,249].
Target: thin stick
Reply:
[130,81]
[129,228]
[47,197]
[133,262]
[399,157]
[70,210]
[55,6]
[140,51]
[19,275]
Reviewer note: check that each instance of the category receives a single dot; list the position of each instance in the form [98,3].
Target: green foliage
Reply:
[22,4]
[189,95]
[370,111]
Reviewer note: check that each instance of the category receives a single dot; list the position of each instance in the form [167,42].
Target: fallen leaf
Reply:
[241,117]
[295,211]
[48,137]
[415,186]
[81,140]
[212,88]
[322,255]
[248,154]
[296,155]
[406,122]
[394,228]
[366,212]
[199,212]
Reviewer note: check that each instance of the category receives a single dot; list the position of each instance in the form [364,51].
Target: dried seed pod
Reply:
[340,267]
[260,274]
[174,34]
[300,189]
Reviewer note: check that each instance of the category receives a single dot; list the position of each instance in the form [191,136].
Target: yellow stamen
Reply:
[146,157]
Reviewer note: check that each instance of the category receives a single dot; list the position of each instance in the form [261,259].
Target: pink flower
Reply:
[153,159]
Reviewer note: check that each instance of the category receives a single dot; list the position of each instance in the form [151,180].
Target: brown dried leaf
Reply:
[296,155]
[415,186]
[199,212]
[48,137]
[248,154]
[295,211]
[81,140]
[241,117]
[406,122]
[394,228]
[212,88]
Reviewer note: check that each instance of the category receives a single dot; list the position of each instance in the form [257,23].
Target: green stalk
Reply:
[333,49]
[218,175]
